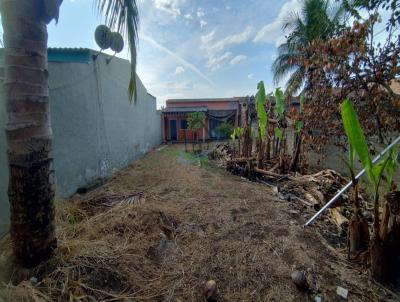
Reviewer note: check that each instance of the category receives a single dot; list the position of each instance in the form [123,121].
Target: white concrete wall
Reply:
[96,129]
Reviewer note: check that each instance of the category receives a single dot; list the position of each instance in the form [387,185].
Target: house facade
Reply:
[216,111]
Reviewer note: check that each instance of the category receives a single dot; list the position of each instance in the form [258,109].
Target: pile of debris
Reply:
[221,153]
[314,190]
[308,191]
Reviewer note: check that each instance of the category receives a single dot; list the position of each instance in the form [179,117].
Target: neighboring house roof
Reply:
[77,55]
[201,100]
[184,109]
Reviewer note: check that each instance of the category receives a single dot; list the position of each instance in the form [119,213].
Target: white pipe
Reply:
[328,204]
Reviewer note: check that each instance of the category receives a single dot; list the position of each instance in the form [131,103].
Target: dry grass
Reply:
[213,225]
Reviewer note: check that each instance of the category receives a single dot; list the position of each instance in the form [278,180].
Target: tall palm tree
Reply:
[318,19]
[28,128]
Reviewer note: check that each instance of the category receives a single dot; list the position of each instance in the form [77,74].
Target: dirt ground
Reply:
[159,229]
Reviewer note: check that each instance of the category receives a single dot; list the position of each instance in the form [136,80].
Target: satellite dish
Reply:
[103,36]
[117,42]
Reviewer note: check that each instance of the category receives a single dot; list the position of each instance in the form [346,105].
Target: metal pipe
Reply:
[344,189]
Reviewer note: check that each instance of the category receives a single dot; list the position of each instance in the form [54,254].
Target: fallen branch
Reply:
[242,159]
[273,174]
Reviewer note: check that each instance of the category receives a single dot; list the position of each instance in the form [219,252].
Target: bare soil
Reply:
[162,227]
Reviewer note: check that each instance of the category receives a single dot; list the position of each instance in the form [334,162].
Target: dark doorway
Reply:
[172,127]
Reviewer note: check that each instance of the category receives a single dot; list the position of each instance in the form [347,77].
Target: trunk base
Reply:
[379,261]
[385,259]
[358,238]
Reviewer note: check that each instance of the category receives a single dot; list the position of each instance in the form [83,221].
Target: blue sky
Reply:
[189,48]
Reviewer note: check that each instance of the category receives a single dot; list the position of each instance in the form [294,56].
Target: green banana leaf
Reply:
[357,139]
[299,126]
[278,133]
[280,102]
[261,113]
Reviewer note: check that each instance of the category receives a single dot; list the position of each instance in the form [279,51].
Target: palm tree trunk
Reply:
[296,153]
[28,131]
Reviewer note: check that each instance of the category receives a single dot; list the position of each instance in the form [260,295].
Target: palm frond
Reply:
[295,81]
[318,19]
[282,66]
[123,16]
[292,21]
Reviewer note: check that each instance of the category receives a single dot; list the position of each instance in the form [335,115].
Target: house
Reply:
[216,111]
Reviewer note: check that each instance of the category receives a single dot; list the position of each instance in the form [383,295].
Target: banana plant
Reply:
[358,237]
[383,251]
[262,115]
[237,134]
[279,130]
[278,133]
[358,143]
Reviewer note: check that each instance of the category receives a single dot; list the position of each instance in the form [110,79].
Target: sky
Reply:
[191,48]
[188,48]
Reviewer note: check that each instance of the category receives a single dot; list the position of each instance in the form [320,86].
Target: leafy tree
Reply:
[318,19]
[352,65]
[196,121]
[393,6]
[28,129]
[225,128]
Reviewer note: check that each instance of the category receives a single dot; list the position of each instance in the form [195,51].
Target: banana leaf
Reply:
[278,133]
[280,103]
[357,140]
[261,113]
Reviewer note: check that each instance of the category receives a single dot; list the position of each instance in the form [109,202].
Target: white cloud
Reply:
[214,48]
[188,17]
[227,7]
[272,32]
[200,13]
[208,38]
[238,59]
[179,70]
[203,23]
[250,76]
[169,6]
[175,57]
[216,63]
[233,40]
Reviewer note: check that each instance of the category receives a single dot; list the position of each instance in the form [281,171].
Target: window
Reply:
[184,124]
